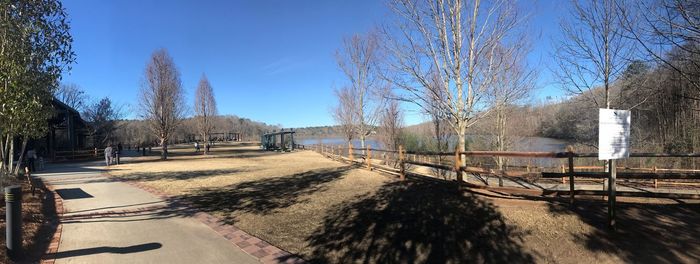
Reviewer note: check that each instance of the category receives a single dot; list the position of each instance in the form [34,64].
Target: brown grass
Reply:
[327,211]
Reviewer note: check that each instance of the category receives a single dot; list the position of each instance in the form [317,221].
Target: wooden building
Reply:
[68,133]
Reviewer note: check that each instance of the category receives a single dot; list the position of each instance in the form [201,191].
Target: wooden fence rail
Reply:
[570,172]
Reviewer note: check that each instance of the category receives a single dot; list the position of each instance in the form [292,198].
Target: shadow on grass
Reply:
[417,222]
[646,233]
[215,153]
[176,175]
[263,196]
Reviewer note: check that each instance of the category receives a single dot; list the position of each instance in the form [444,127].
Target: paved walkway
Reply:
[107,221]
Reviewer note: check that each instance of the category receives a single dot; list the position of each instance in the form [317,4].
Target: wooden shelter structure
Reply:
[269,140]
[68,133]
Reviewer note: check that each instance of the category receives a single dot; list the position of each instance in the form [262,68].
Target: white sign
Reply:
[614,134]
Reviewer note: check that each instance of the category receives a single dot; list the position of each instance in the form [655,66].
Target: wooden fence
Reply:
[78,154]
[567,172]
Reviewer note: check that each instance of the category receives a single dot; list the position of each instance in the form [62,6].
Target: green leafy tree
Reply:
[35,48]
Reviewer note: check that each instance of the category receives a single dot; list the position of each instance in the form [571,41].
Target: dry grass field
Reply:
[327,211]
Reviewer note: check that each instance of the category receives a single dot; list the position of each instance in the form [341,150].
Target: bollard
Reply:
[13,221]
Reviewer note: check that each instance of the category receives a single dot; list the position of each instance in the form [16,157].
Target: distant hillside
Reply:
[318,132]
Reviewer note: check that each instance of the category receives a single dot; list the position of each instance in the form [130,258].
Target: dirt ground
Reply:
[37,231]
[327,211]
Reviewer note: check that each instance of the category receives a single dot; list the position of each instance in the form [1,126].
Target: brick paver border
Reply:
[49,255]
[254,246]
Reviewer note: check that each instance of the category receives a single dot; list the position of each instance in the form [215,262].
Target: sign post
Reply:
[613,143]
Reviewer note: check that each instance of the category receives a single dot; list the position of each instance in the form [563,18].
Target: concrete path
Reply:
[107,221]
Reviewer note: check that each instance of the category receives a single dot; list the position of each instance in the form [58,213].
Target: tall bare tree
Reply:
[162,97]
[344,113]
[661,27]
[594,50]
[390,121]
[72,95]
[358,60]
[456,41]
[205,109]
[512,84]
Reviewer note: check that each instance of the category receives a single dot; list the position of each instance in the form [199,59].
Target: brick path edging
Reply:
[49,256]
[254,246]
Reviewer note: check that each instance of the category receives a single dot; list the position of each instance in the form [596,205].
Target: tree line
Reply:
[162,111]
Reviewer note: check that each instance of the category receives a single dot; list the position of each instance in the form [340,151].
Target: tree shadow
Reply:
[214,154]
[417,221]
[646,233]
[100,250]
[177,175]
[265,195]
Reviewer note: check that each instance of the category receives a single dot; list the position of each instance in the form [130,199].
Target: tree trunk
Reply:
[462,146]
[206,143]
[21,156]
[11,155]
[164,146]
[2,156]
[362,142]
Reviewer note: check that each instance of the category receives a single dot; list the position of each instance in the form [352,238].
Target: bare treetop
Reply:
[205,109]
[162,97]
[594,50]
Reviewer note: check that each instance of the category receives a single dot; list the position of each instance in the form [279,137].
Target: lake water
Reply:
[521,144]
[372,143]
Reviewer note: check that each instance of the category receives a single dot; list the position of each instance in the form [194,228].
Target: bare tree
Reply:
[513,83]
[594,50]
[661,27]
[162,97]
[205,109]
[344,112]
[102,117]
[390,120]
[439,121]
[72,95]
[357,60]
[433,109]
[454,40]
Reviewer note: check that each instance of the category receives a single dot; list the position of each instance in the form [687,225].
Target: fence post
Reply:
[571,175]
[350,155]
[369,157]
[402,166]
[611,194]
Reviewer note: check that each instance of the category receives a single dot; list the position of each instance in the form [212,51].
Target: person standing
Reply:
[108,154]
[31,156]
[196,147]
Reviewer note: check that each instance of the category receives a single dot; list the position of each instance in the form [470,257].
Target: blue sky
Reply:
[270,61]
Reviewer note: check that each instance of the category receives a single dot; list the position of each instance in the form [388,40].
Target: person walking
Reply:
[196,147]
[108,154]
